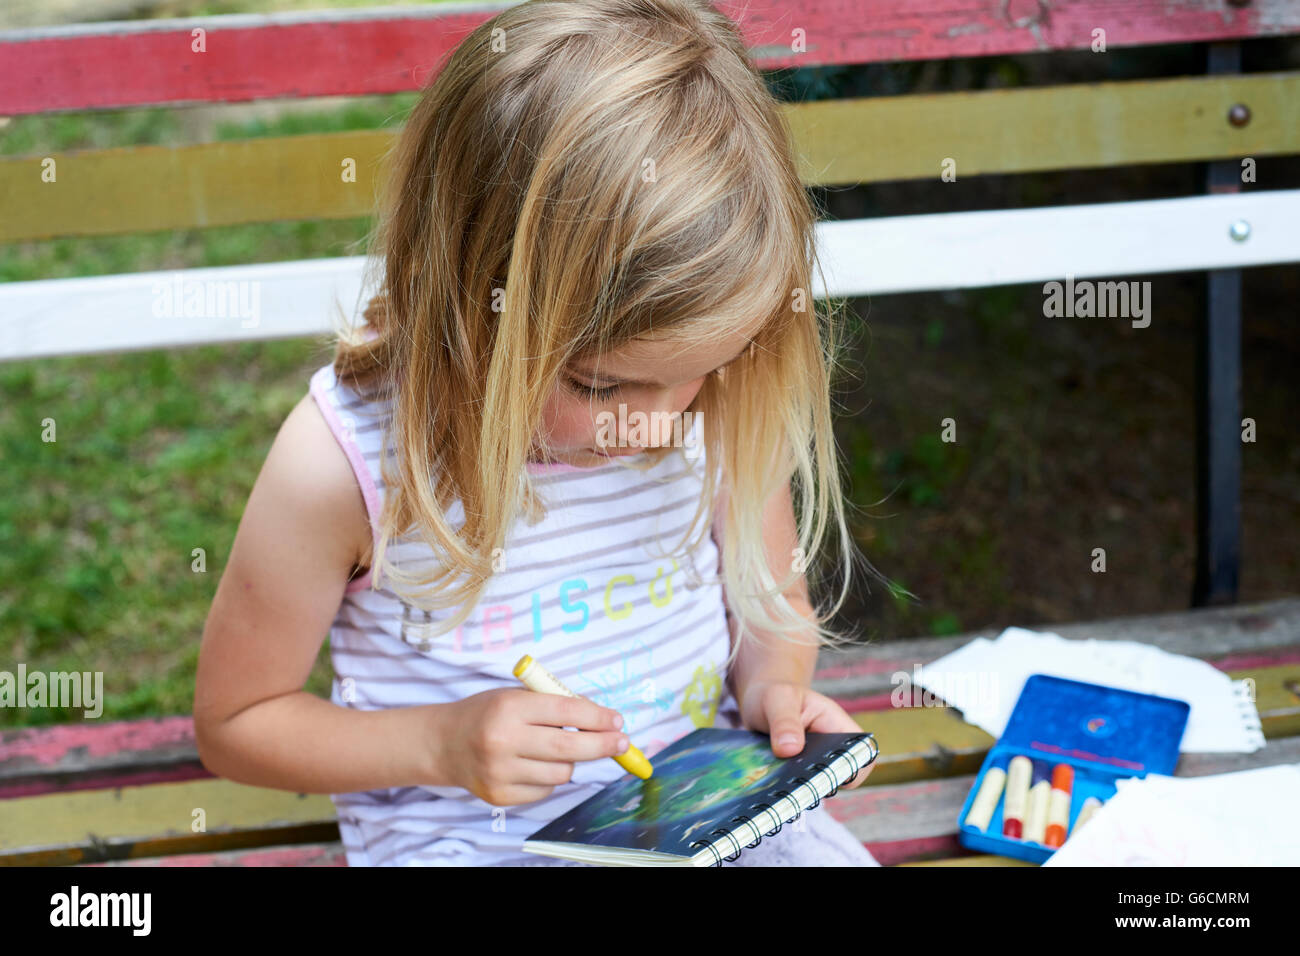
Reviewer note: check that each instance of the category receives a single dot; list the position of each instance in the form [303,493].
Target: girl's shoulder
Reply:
[323,466]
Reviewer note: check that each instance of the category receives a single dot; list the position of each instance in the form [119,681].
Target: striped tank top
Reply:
[591,591]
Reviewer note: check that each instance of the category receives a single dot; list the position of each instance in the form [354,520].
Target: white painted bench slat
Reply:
[1005,247]
[860,257]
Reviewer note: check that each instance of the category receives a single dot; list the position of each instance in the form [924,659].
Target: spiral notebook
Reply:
[713,794]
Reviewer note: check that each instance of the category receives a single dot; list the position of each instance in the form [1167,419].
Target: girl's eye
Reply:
[600,394]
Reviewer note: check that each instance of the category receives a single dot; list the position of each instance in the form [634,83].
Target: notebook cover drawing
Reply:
[700,784]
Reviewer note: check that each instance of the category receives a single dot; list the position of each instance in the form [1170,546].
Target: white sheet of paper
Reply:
[984,678]
[1246,818]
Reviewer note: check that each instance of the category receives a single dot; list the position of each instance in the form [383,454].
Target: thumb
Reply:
[786,727]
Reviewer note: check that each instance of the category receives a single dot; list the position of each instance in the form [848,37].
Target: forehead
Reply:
[670,358]
[667,351]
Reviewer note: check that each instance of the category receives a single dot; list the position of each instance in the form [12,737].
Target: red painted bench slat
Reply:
[356,52]
[93,756]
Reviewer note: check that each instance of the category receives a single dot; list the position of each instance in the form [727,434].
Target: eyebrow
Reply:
[607,380]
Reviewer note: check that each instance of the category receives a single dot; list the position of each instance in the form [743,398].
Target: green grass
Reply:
[153,457]
[154,453]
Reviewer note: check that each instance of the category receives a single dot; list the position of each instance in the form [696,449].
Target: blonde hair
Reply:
[521,230]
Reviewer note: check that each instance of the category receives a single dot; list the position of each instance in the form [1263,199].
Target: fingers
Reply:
[554,710]
[568,746]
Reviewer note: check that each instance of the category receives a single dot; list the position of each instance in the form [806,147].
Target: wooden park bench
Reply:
[122,793]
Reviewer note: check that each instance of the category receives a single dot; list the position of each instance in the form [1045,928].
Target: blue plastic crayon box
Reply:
[1104,733]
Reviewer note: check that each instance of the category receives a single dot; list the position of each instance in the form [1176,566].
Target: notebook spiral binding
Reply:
[821,768]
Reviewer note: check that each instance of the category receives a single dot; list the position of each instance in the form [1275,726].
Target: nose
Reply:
[655,423]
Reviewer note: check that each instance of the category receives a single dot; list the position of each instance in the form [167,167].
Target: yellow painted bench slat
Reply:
[146,188]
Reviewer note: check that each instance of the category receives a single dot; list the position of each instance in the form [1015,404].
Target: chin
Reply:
[590,457]
[625,453]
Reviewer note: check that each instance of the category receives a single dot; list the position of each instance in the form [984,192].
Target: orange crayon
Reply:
[1058,810]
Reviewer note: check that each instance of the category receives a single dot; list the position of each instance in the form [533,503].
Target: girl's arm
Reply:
[776,658]
[303,532]
[772,682]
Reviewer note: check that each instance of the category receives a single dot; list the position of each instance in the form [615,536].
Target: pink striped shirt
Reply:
[592,592]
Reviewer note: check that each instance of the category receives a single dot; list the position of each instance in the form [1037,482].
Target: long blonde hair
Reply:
[580,174]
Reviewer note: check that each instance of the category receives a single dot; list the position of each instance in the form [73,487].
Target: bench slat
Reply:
[918,744]
[1005,247]
[357,52]
[1233,637]
[332,854]
[104,754]
[1076,126]
[144,188]
[121,313]
[977,859]
[310,854]
[898,823]
[860,257]
[90,825]
[149,188]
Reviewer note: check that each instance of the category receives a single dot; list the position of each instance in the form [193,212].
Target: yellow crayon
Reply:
[536,677]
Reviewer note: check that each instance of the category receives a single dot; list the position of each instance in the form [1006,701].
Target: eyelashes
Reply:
[607,392]
[600,394]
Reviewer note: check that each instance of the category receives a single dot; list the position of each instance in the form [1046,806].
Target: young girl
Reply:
[590,380]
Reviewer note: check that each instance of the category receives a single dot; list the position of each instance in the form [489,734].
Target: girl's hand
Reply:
[785,710]
[509,746]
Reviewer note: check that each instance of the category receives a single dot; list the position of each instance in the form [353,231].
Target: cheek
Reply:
[570,422]
[687,395]
[567,421]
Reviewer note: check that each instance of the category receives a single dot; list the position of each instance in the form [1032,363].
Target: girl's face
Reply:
[646,376]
